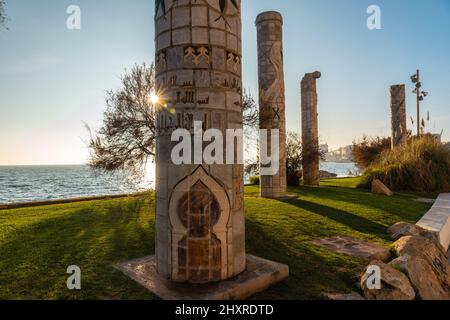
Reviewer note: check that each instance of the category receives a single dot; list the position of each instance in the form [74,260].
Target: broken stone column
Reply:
[271,95]
[310,130]
[200,232]
[398,115]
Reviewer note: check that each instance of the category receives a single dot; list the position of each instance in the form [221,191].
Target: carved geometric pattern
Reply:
[200,234]
[197,56]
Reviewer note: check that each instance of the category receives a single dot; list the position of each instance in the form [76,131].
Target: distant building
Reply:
[344,154]
[324,149]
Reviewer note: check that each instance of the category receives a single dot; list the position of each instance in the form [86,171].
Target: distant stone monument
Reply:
[310,130]
[200,225]
[398,115]
[271,95]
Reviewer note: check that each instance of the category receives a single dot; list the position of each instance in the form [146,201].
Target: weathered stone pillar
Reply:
[271,94]
[199,208]
[310,130]
[398,115]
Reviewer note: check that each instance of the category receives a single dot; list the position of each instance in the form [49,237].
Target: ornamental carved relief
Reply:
[197,57]
[275,89]
[199,215]
[199,252]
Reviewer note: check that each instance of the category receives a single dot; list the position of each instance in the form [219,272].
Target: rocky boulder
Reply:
[379,187]
[425,251]
[394,284]
[422,277]
[327,175]
[403,229]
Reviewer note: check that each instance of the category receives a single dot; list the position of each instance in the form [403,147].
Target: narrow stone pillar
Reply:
[200,231]
[271,95]
[310,130]
[398,115]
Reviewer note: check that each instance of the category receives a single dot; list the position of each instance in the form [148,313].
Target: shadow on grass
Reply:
[400,206]
[313,270]
[348,219]
[34,262]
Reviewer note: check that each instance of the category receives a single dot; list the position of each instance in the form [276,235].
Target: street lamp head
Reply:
[425,94]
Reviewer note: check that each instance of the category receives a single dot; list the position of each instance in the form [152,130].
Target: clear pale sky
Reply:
[53,79]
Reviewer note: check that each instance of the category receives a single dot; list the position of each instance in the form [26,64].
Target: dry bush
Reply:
[419,165]
[294,156]
[367,150]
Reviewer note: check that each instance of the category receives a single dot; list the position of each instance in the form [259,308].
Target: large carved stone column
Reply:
[310,129]
[271,94]
[200,220]
[398,114]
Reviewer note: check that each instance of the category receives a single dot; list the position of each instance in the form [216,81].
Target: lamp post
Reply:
[420,97]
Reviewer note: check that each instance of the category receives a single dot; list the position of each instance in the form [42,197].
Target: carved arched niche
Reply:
[199,211]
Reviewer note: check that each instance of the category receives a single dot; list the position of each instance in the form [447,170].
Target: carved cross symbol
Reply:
[223,8]
[162,4]
[276,113]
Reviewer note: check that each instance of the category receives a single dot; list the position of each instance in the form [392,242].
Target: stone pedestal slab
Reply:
[258,276]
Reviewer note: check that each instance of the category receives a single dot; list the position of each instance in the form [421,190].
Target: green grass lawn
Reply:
[37,244]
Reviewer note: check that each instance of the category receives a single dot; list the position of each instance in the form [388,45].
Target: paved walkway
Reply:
[438,219]
[355,248]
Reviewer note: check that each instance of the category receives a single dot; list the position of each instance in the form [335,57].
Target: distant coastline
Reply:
[339,161]
[21,184]
[31,183]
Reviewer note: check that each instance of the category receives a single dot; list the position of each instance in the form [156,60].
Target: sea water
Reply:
[36,183]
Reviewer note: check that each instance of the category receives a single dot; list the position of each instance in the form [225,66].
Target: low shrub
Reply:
[422,164]
[367,150]
[294,179]
[294,156]
[254,180]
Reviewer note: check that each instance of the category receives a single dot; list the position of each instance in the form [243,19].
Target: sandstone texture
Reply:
[200,226]
[398,115]
[394,284]
[422,261]
[380,188]
[310,129]
[272,96]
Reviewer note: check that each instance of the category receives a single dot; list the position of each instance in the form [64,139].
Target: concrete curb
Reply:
[438,219]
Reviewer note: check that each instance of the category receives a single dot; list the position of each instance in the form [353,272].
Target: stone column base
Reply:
[258,276]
